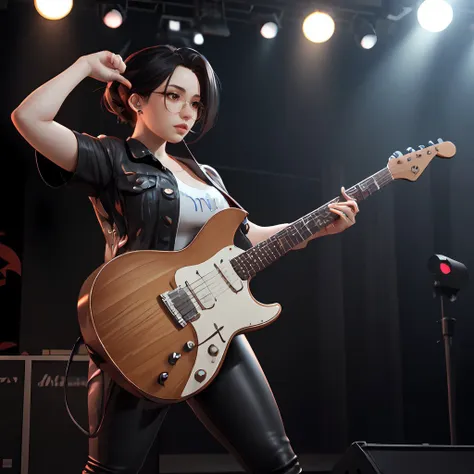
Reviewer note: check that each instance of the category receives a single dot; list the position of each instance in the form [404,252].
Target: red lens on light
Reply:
[445,268]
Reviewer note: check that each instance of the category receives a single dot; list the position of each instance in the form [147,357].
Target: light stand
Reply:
[449,277]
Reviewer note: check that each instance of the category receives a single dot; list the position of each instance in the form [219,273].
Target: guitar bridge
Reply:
[180,305]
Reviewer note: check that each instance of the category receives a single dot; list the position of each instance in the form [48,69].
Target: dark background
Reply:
[354,354]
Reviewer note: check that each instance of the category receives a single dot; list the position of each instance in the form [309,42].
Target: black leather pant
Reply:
[238,408]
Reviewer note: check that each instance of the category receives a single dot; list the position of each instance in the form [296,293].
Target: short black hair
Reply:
[150,67]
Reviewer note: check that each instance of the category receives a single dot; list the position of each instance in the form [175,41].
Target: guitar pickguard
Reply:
[226,307]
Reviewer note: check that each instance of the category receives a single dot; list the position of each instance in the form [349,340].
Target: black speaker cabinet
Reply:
[365,458]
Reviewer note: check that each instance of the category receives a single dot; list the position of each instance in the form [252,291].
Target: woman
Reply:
[146,199]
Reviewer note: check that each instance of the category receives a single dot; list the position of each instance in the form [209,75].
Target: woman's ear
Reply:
[135,102]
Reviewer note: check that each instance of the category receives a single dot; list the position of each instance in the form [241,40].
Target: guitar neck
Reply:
[263,254]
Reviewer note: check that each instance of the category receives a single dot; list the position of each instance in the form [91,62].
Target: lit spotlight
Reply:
[174,25]
[368,41]
[198,39]
[114,17]
[364,33]
[53,9]
[435,15]
[318,27]
[269,30]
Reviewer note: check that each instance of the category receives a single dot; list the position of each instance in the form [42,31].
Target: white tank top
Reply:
[196,207]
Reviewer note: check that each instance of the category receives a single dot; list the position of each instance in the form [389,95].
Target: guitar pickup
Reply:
[180,305]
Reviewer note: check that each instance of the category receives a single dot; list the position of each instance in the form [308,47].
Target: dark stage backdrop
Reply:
[354,354]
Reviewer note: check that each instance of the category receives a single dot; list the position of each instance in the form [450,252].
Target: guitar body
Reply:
[131,317]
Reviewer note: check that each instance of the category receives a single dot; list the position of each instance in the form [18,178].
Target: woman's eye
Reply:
[172,96]
[197,105]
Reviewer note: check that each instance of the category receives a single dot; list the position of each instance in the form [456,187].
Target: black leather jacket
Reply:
[135,198]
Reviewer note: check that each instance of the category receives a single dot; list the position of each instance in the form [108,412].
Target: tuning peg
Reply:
[421,147]
[430,143]
[410,149]
[396,154]
[440,140]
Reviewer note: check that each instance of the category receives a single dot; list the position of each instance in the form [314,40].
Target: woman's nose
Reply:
[186,111]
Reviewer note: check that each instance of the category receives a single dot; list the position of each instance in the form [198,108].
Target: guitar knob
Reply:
[410,149]
[421,147]
[213,350]
[174,357]
[430,143]
[163,377]
[440,140]
[189,346]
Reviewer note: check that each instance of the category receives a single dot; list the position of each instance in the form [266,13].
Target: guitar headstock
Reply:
[412,165]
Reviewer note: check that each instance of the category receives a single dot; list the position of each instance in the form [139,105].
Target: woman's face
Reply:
[172,115]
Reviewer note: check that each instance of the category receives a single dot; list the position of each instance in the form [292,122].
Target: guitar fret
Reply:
[258,257]
[360,193]
[276,248]
[283,244]
[290,237]
[265,255]
[273,249]
[306,227]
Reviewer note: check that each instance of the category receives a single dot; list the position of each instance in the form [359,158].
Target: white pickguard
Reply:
[230,313]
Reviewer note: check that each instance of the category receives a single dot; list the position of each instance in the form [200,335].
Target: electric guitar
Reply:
[161,322]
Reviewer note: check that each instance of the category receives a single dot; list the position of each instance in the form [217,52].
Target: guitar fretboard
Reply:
[268,251]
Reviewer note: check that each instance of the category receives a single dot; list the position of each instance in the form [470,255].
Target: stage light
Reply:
[213,20]
[364,33]
[269,30]
[198,39]
[368,41]
[53,9]
[174,25]
[114,17]
[445,268]
[269,24]
[435,15]
[318,27]
[449,275]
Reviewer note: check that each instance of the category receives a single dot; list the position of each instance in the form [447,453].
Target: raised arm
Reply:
[34,117]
